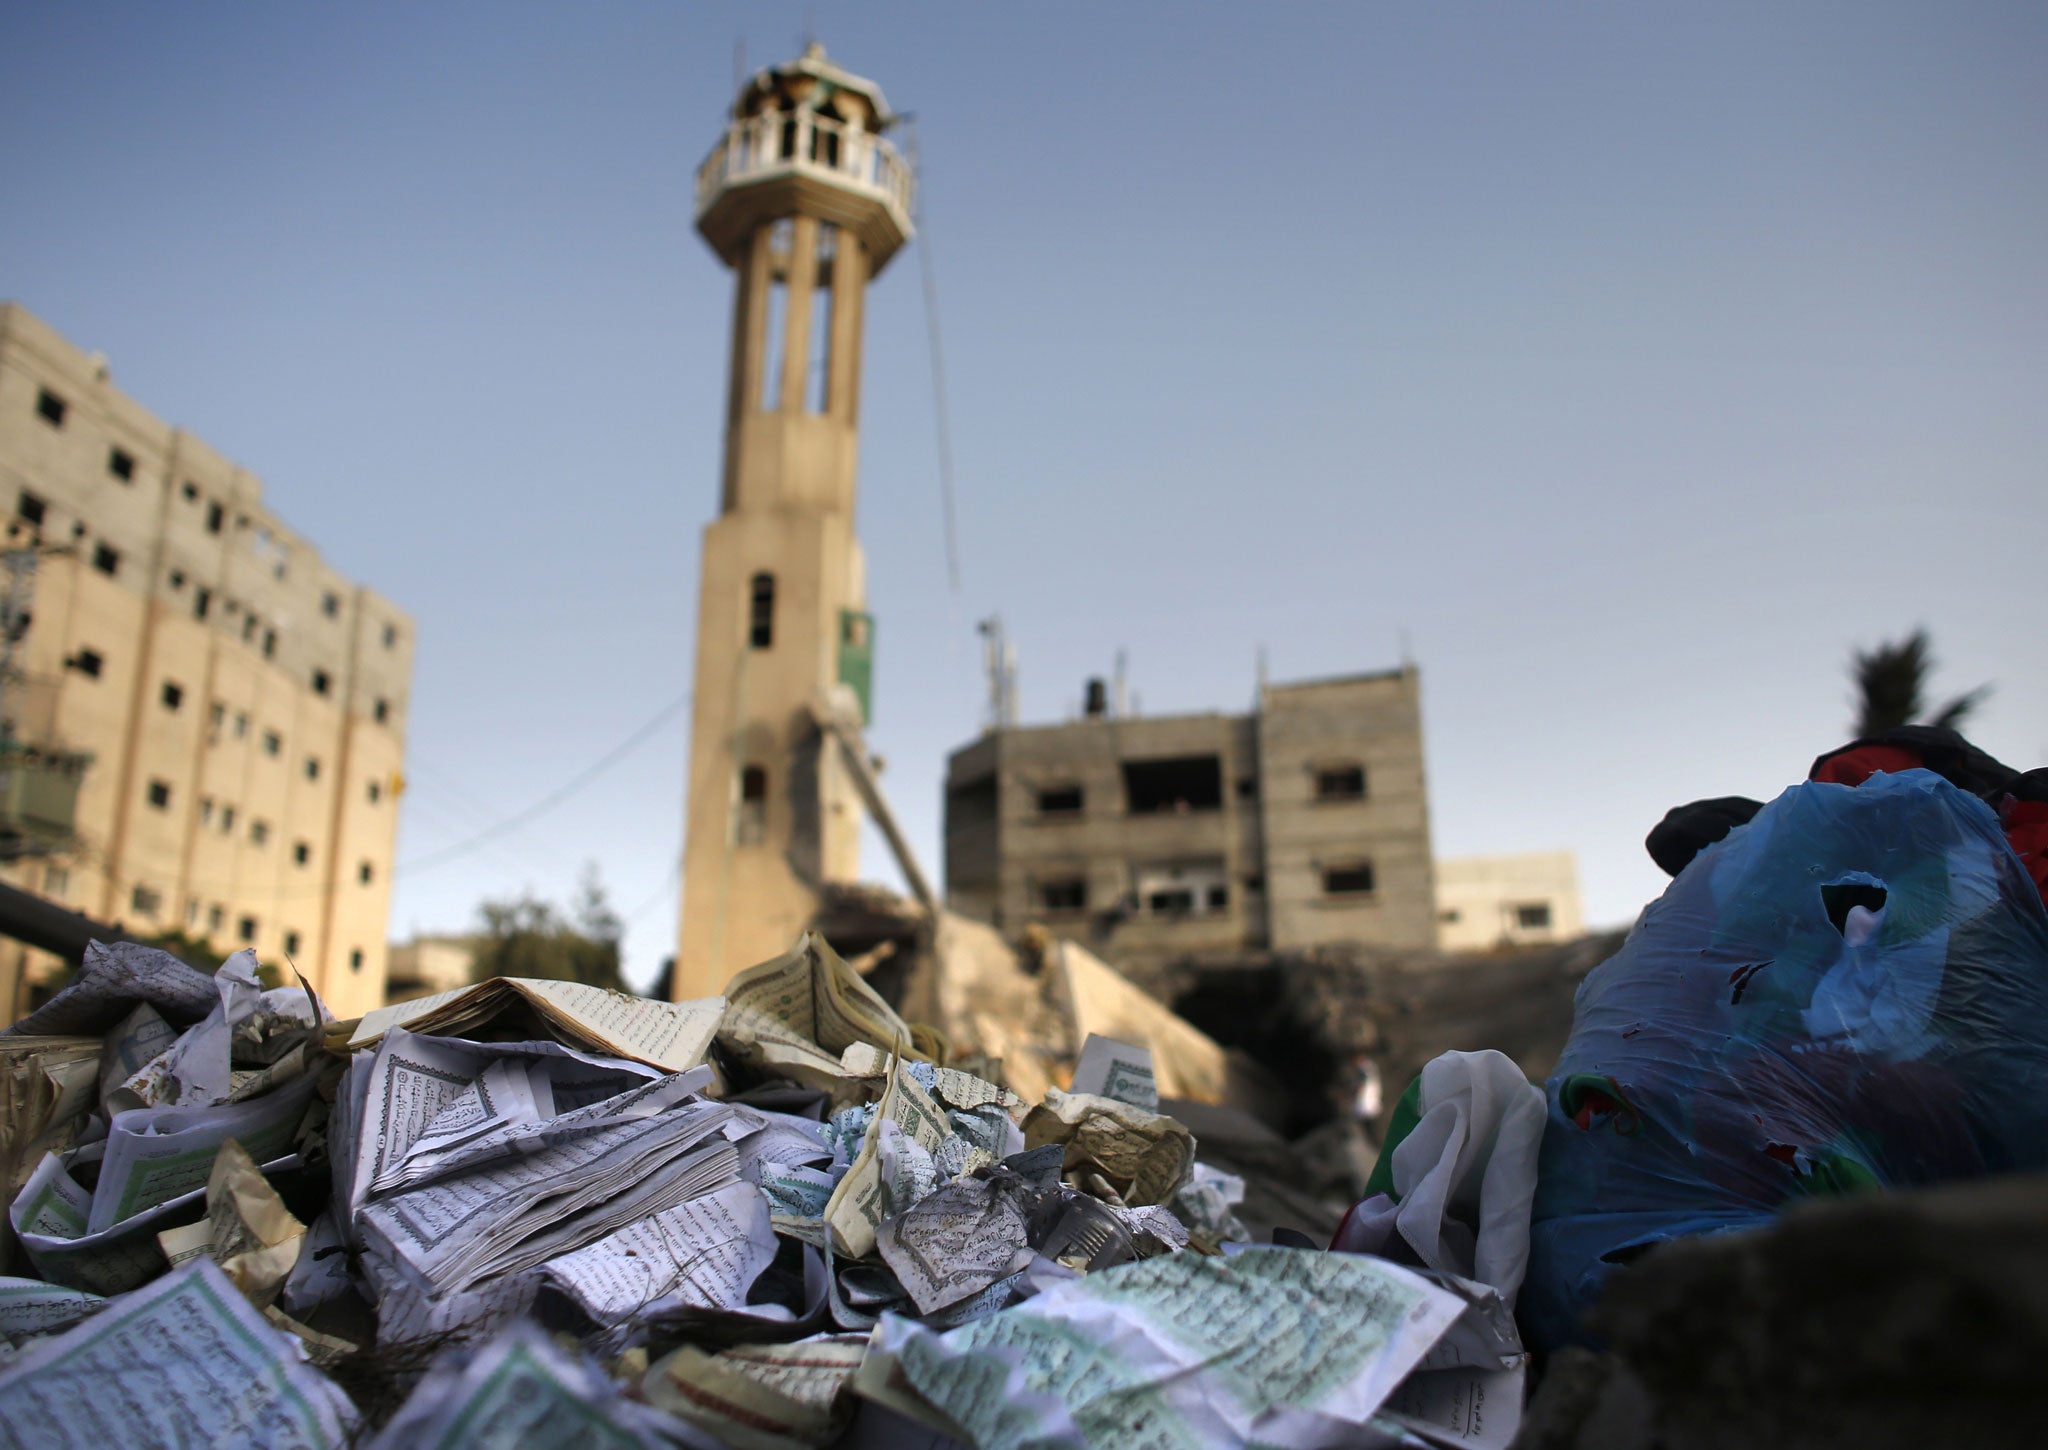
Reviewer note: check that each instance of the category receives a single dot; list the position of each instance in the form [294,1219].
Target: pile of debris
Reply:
[538,1213]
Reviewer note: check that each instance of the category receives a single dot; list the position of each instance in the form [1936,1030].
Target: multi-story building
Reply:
[243,705]
[1172,838]
[1487,902]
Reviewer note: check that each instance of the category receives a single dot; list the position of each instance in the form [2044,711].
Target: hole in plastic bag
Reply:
[1839,897]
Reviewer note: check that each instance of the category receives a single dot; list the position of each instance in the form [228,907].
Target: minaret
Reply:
[806,202]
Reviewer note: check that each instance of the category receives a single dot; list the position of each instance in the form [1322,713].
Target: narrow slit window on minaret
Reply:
[750,825]
[761,612]
[818,363]
[780,244]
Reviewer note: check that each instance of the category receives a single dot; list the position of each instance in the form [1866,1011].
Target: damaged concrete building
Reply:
[1184,838]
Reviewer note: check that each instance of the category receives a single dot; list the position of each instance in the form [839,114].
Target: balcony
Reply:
[841,173]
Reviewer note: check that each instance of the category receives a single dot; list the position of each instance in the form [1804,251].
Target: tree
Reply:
[1891,682]
[528,937]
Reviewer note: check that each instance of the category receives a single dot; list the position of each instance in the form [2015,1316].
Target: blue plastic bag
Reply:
[1851,991]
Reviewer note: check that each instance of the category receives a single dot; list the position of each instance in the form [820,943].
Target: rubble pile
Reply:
[535,1213]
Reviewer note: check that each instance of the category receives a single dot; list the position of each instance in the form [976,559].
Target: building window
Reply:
[301,853]
[750,826]
[88,662]
[216,517]
[761,612]
[390,636]
[106,559]
[30,507]
[273,743]
[146,900]
[375,791]
[227,819]
[160,794]
[322,682]
[189,491]
[241,725]
[1352,878]
[202,601]
[173,696]
[365,873]
[56,881]
[291,943]
[312,767]
[330,605]
[1340,783]
[176,579]
[1060,800]
[382,711]
[1173,786]
[249,626]
[1533,916]
[216,719]
[270,644]
[259,833]
[121,464]
[206,810]
[216,916]
[355,960]
[1248,788]
[1059,896]
[51,408]
[245,929]
[191,912]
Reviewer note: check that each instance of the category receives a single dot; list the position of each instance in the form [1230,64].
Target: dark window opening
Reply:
[160,794]
[1248,788]
[216,516]
[330,605]
[202,601]
[174,695]
[312,767]
[301,853]
[1173,901]
[106,559]
[273,743]
[355,960]
[1354,878]
[375,792]
[190,491]
[51,408]
[761,612]
[146,900]
[1450,916]
[1184,783]
[246,928]
[177,579]
[30,507]
[366,873]
[249,623]
[215,915]
[291,943]
[269,644]
[382,711]
[121,464]
[751,825]
[1255,885]
[1533,916]
[1219,898]
[1069,895]
[88,662]
[227,819]
[390,636]
[1340,783]
[321,682]
[259,833]
[1060,800]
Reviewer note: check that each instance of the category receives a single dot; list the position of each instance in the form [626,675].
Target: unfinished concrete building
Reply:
[1188,838]
[806,202]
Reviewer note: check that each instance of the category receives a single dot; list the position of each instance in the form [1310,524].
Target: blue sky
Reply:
[1630,364]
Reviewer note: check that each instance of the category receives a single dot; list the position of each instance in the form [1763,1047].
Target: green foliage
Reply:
[528,937]
[1891,683]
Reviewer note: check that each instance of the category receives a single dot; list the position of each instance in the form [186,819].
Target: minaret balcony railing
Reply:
[805,143]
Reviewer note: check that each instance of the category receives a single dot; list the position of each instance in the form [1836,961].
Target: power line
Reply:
[554,798]
[941,416]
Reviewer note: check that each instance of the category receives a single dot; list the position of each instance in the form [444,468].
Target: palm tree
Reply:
[1890,685]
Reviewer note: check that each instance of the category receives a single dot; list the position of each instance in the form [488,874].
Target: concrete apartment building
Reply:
[1488,902]
[243,705]
[1170,838]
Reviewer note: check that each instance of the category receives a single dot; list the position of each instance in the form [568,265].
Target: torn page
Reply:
[114,977]
[672,1036]
[183,1361]
[520,1392]
[869,1192]
[1145,1157]
[956,1242]
[762,1396]
[136,1041]
[158,1154]
[706,1253]
[1182,1352]
[793,1016]
[1112,1069]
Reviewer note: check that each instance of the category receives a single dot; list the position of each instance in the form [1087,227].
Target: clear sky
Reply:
[1629,364]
